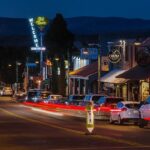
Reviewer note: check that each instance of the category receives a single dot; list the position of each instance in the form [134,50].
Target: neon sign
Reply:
[35,38]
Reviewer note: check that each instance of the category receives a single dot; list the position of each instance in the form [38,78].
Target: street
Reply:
[22,128]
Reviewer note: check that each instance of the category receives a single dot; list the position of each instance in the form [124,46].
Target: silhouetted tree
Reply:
[59,41]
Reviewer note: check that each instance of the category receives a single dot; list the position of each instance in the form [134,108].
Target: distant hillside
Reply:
[109,25]
[18,32]
[14,31]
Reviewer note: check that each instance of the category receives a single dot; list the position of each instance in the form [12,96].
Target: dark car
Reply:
[75,99]
[92,97]
[36,95]
[105,104]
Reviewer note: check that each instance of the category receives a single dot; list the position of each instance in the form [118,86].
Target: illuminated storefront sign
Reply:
[114,56]
[35,38]
[105,63]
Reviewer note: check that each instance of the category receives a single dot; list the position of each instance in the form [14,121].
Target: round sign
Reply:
[41,21]
[114,56]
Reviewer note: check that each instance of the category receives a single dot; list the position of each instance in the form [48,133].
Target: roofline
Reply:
[82,77]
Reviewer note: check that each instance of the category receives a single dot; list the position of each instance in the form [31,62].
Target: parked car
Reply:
[124,112]
[36,95]
[92,97]
[105,104]
[75,99]
[45,94]
[20,96]
[6,91]
[144,113]
[109,101]
[53,99]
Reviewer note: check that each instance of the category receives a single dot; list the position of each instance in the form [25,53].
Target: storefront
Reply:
[115,86]
[83,80]
[139,82]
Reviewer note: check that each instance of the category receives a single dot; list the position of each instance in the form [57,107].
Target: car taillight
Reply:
[124,109]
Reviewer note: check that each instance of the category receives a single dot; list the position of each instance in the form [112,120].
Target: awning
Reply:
[111,77]
[136,73]
[84,72]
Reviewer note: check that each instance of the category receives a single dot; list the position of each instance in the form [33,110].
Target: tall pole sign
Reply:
[41,22]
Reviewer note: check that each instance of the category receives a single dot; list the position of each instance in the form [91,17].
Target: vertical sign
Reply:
[90,117]
[105,63]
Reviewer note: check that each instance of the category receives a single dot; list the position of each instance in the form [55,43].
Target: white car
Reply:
[7,91]
[124,112]
[145,113]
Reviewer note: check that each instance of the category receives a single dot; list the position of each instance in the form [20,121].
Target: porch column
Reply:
[84,90]
[69,86]
[73,86]
[79,87]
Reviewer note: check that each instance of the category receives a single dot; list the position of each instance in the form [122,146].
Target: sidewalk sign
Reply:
[90,117]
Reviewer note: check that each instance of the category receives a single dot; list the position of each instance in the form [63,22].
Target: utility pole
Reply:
[99,70]
[68,80]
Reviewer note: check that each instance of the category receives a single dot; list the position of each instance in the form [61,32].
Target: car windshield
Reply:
[96,98]
[113,100]
[33,94]
[45,95]
[55,97]
[76,97]
[87,98]
[148,100]
[134,106]
[7,88]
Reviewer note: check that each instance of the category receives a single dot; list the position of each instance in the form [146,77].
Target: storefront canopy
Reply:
[136,73]
[111,77]
[84,72]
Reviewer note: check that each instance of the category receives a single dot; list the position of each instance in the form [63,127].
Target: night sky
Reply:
[73,8]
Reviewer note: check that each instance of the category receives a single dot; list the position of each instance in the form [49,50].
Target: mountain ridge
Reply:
[80,26]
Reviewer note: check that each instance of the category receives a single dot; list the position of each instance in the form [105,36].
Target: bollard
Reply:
[89,118]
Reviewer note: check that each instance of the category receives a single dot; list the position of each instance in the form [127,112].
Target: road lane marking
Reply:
[74,131]
[48,112]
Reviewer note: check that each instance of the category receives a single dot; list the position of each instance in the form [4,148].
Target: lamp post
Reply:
[99,70]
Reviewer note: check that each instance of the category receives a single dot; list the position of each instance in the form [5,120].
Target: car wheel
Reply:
[136,123]
[120,121]
[110,120]
[142,123]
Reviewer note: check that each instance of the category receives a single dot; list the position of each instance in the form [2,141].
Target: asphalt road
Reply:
[23,128]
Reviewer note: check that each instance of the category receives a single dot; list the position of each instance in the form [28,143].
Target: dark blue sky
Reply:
[72,8]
